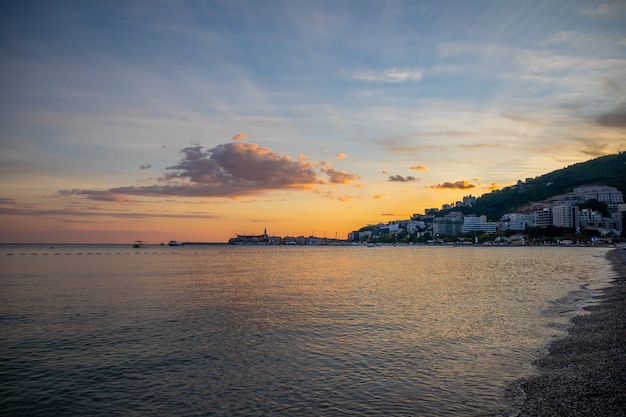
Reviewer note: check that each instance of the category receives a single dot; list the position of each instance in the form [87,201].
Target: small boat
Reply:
[174,243]
[140,244]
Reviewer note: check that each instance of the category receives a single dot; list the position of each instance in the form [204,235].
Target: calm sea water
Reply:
[269,331]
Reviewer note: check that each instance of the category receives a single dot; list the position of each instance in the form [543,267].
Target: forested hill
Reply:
[606,170]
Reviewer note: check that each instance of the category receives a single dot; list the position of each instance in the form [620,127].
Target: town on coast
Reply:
[588,215]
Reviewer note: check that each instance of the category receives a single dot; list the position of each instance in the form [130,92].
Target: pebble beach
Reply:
[584,373]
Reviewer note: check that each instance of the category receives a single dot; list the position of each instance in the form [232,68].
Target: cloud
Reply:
[384,171]
[339,177]
[341,155]
[145,166]
[240,136]
[234,169]
[228,170]
[400,178]
[345,198]
[401,145]
[418,168]
[459,185]
[6,201]
[599,10]
[91,212]
[391,75]
[492,186]
[613,118]
[342,198]
[378,196]
[99,195]
[593,147]
[398,145]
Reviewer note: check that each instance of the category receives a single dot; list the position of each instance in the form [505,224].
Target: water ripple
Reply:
[220,332]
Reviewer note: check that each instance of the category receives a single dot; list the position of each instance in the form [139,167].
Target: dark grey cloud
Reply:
[6,201]
[458,185]
[613,118]
[227,170]
[400,178]
[339,177]
[593,147]
[243,166]
[145,166]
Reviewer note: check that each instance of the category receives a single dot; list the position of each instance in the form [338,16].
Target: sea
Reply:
[109,330]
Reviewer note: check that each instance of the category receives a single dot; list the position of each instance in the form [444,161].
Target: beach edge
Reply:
[584,373]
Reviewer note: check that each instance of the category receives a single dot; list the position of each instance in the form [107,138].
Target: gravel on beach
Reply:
[584,374]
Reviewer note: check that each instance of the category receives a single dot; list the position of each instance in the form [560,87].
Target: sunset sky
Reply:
[198,120]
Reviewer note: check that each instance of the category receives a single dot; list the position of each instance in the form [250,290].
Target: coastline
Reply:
[584,374]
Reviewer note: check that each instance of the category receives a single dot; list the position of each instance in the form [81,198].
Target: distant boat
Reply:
[140,244]
[174,243]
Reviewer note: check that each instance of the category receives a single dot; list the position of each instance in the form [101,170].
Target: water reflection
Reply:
[277,331]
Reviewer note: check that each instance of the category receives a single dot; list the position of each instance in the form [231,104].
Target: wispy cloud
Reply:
[99,195]
[458,185]
[145,166]
[391,75]
[421,168]
[68,212]
[341,155]
[599,10]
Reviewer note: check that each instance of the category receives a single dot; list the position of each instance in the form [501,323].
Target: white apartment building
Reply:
[565,215]
[589,217]
[517,221]
[415,226]
[478,224]
[447,225]
[543,218]
[609,195]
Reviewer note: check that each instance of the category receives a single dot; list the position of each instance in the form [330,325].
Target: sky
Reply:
[200,120]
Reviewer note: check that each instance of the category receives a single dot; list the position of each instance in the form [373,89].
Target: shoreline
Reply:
[584,373]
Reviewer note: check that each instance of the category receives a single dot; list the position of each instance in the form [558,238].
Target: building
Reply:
[517,221]
[415,226]
[358,236]
[590,218]
[449,225]
[543,217]
[469,200]
[609,195]
[478,224]
[263,239]
[565,215]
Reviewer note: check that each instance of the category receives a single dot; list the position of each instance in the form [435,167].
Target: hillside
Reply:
[606,170]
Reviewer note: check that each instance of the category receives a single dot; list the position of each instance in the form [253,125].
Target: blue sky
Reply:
[337,112]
